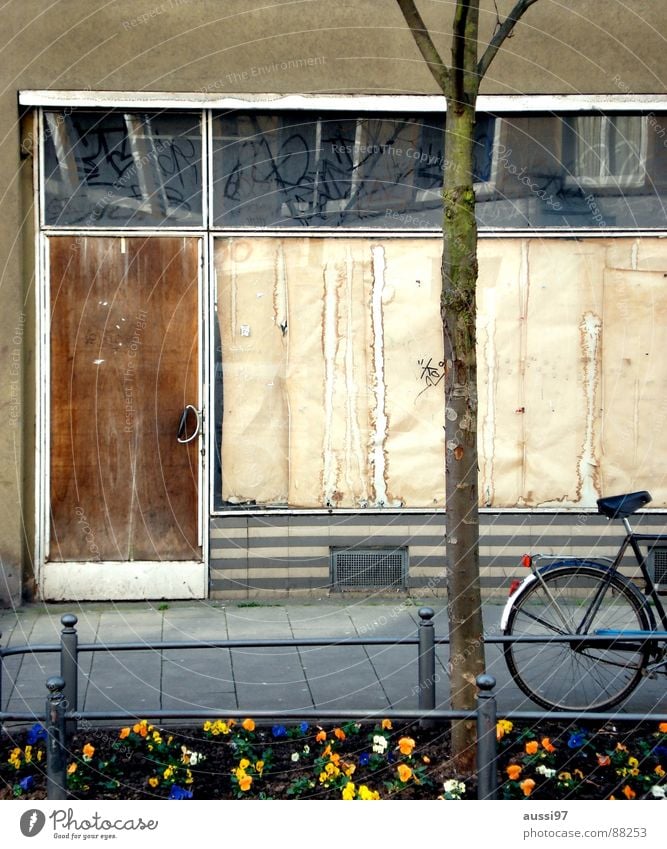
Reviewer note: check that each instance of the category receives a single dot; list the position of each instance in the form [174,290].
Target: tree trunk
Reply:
[458,311]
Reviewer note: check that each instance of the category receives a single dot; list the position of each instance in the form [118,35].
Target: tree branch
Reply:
[504,31]
[427,48]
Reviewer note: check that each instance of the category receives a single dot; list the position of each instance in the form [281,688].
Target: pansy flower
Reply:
[279,731]
[177,792]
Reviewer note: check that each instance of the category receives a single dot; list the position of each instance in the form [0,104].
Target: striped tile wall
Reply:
[279,555]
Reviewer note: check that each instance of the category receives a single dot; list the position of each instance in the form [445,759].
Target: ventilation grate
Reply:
[657,567]
[362,568]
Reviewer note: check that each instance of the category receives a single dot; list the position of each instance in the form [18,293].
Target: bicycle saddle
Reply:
[622,506]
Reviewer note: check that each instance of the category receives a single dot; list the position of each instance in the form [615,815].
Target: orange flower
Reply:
[604,760]
[326,752]
[527,786]
[663,727]
[621,748]
[386,724]
[628,792]
[513,771]
[320,737]
[124,732]
[244,783]
[406,745]
[88,750]
[531,747]
[659,771]
[248,724]
[339,733]
[548,745]
[404,772]
[426,759]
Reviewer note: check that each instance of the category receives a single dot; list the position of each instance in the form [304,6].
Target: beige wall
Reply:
[360,46]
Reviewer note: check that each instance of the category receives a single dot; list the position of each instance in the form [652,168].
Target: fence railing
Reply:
[62,716]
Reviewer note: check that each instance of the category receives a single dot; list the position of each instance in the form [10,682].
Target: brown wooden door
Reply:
[124,364]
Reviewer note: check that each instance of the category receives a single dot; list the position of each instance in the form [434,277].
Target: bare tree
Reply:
[459,82]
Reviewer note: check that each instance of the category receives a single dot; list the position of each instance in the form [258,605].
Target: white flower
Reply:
[658,792]
[545,771]
[454,787]
[379,744]
[295,757]
[306,749]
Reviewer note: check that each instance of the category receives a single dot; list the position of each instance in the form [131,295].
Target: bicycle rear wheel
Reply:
[576,676]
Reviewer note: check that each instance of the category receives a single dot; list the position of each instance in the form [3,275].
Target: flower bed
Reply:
[352,761]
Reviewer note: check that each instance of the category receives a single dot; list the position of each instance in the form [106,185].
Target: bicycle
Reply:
[613,620]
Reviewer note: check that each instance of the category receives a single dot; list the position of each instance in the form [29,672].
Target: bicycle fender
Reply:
[530,580]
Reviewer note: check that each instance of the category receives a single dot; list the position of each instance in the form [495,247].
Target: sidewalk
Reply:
[325,677]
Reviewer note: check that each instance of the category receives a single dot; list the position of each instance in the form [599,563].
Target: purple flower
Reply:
[27,783]
[303,727]
[279,731]
[577,739]
[36,733]
[179,792]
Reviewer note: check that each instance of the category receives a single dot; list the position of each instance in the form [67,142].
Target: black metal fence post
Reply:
[56,769]
[427,679]
[487,779]
[69,667]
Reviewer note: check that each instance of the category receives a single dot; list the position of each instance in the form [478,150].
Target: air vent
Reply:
[364,568]
[657,567]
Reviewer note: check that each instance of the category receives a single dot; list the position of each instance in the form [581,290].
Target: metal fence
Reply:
[61,715]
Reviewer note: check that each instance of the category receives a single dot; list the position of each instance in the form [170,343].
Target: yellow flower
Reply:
[579,774]
[259,766]
[339,733]
[404,772]
[406,745]
[244,763]
[169,771]
[513,772]
[426,759]
[154,781]
[124,732]
[71,769]
[503,727]
[366,794]
[527,786]
[531,747]
[349,791]
[659,771]
[663,727]
[628,792]
[386,726]
[207,725]
[350,769]
[248,724]
[323,777]
[28,754]
[40,754]
[564,776]
[188,776]
[245,782]
[621,748]
[633,763]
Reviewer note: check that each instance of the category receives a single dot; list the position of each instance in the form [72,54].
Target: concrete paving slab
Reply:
[130,681]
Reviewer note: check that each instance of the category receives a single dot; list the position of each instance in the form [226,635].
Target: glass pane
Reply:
[119,169]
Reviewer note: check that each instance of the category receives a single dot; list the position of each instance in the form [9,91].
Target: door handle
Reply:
[182,432]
